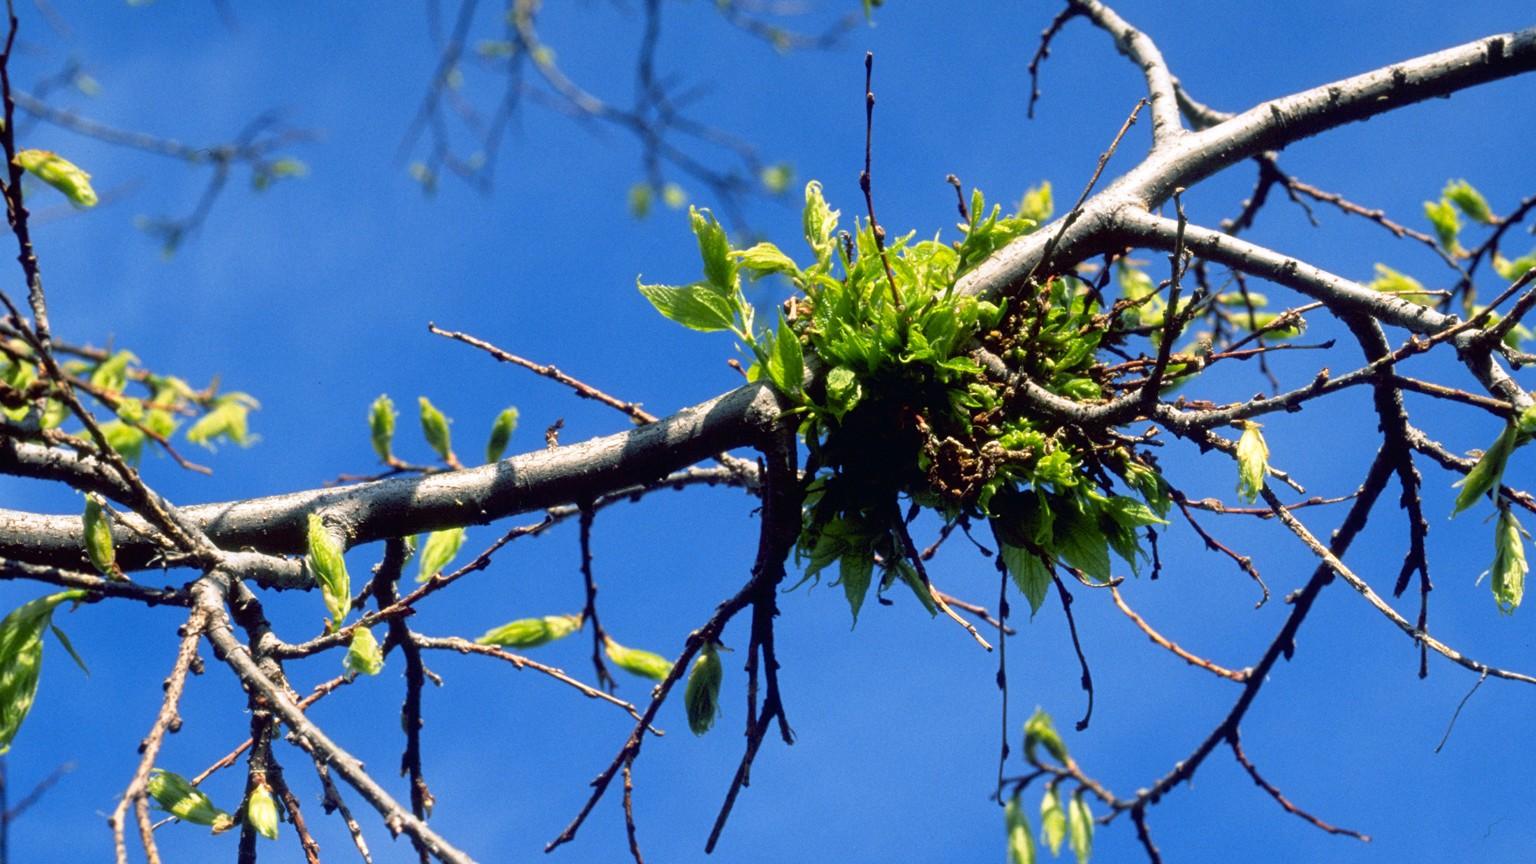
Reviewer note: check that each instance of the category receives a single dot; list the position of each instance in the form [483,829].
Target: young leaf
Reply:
[98,538]
[261,811]
[702,693]
[1486,475]
[434,427]
[61,174]
[1080,827]
[1469,201]
[1039,731]
[820,224]
[228,419]
[329,568]
[764,259]
[1389,281]
[1021,840]
[21,659]
[1029,574]
[381,427]
[438,551]
[1509,564]
[855,571]
[1252,461]
[1447,225]
[112,373]
[501,434]
[843,391]
[364,657]
[1053,820]
[531,632]
[186,802]
[715,249]
[637,662]
[696,307]
[786,362]
[1037,205]
[1079,540]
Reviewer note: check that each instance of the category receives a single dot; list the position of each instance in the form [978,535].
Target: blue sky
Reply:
[314,297]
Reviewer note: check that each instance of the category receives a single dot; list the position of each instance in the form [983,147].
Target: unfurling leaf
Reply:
[1021,840]
[381,427]
[21,659]
[697,307]
[228,419]
[1486,475]
[637,662]
[186,802]
[766,258]
[715,249]
[1039,731]
[1080,827]
[1509,563]
[438,551]
[532,632]
[329,569]
[112,373]
[1037,204]
[434,427]
[1252,461]
[1053,820]
[98,538]
[61,174]
[820,224]
[261,810]
[501,434]
[1469,201]
[1447,225]
[364,657]
[843,391]
[702,693]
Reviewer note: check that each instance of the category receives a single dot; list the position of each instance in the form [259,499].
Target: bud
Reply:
[439,551]
[1021,841]
[261,809]
[1488,473]
[98,538]
[1509,564]
[702,695]
[186,802]
[381,426]
[61,174]
[636,661]
[1039,731]
[1252,461]
[501,433]
[329,568]
[532,632]
[434,426]
[363,656]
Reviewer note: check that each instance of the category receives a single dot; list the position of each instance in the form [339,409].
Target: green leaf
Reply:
[1053,820]
[501,434]
[21,659]
[702,693]
[364,657]
[329,569]
[1509,567]
[843,391]
[636,661]
[1389,281]
[531,632]
[1021,840]
[715,249]
[127,440]
[855,571]
[1509,270]
[1079,541]
[381,427]
[1080,827]
[228,419]
[908,574]
[261,811]
[697,307]
[1469,201]
[186,802]
[1488,473]
[764,259]
[434,427]
[786,362]
[438,551]
[61,174]
[1252,461]
[1037,205]
[1447,224]
[820,224]
[112,373]
[1039,731]
[98,538]
[1029,574]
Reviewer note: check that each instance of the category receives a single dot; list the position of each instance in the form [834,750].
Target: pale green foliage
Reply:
[261,811]
[381,427]
[98,537]
[434,427]
[1469,201]
[186,802]
[637,661]
[701,696]
[1053,820]
[328,566]
[1389,281]
[439,550]
[228,419]
[1080,826]
[21,658]
[1021,840]
[61,174]
[1509,567]
[1039,732]
[501,434]
[364,656]
[532,632]
[1252,461]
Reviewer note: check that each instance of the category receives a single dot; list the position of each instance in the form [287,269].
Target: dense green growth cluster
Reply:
[886,362]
